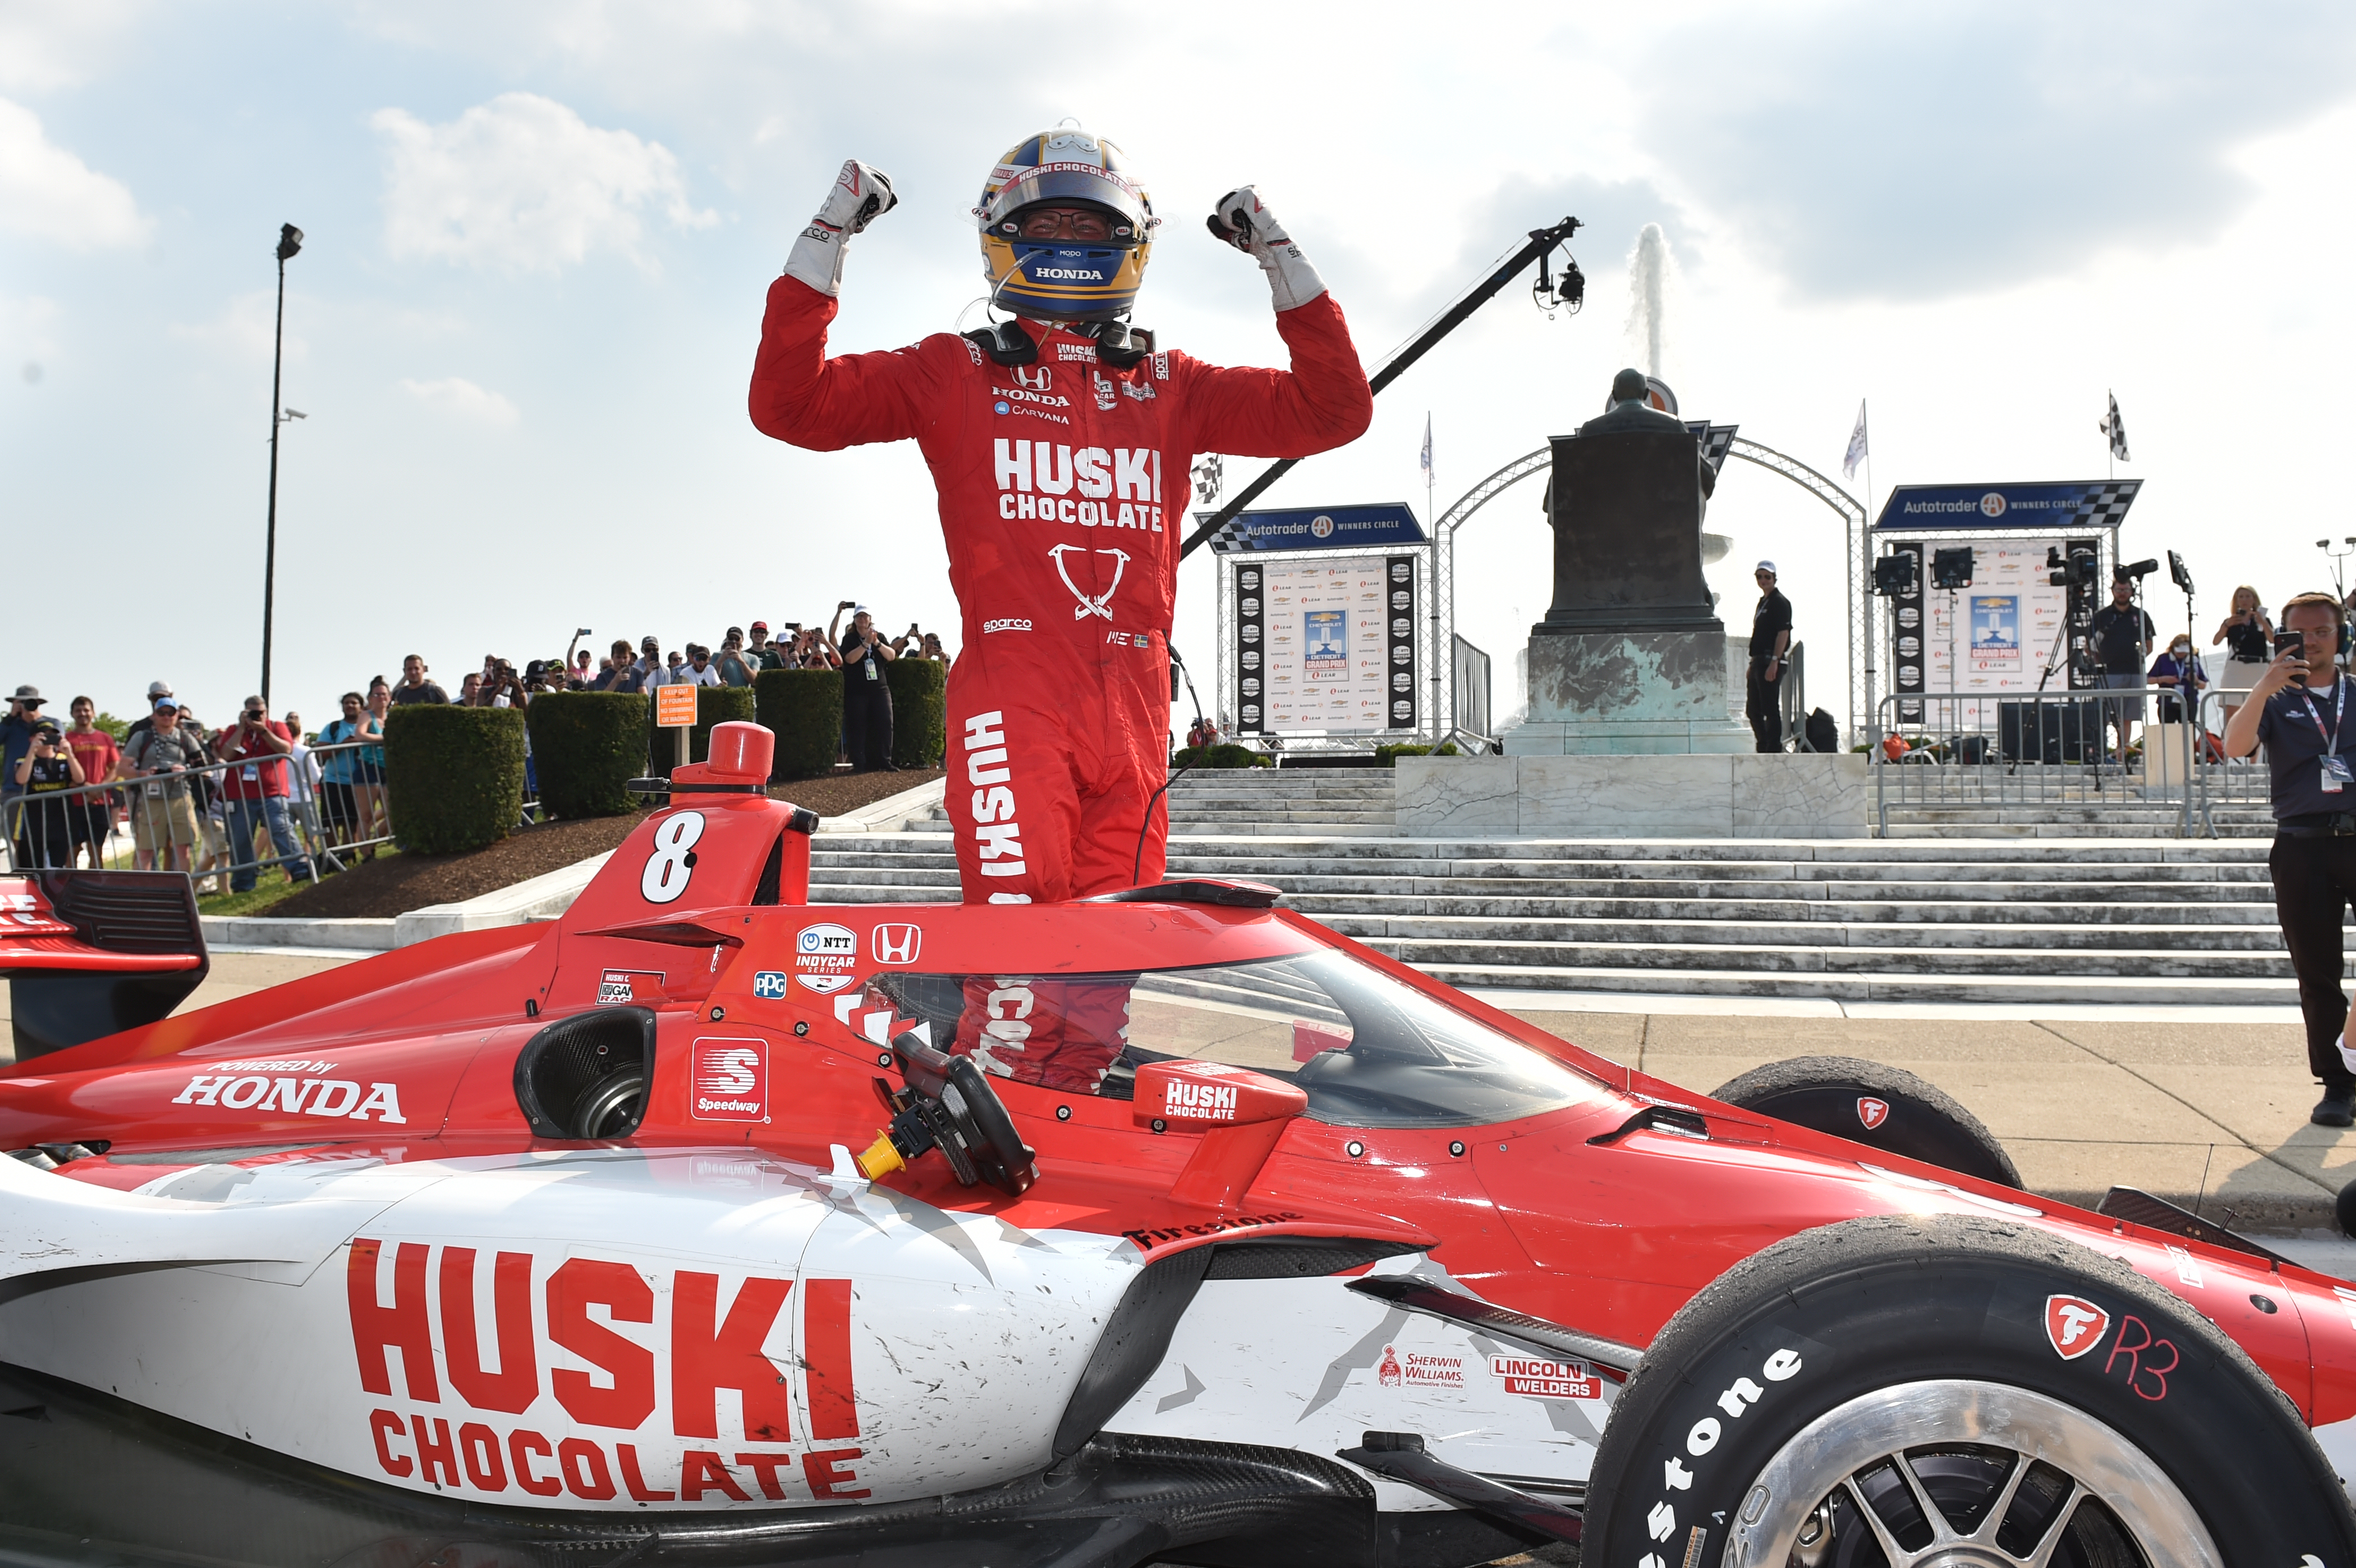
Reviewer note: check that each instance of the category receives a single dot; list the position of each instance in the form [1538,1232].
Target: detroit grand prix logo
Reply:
[2075,1325]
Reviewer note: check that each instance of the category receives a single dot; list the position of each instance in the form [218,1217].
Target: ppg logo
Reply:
[769,983]
[898,944]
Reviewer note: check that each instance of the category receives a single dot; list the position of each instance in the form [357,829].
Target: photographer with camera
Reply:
[2120,636]
[866,696]
[2246,634]
[163,821]
[254,793]
[48,768]
[2299,709]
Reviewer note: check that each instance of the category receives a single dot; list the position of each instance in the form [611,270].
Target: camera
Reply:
[2135,572]
[2078,570]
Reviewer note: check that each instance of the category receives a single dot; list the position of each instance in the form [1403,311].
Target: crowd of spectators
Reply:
[222,804]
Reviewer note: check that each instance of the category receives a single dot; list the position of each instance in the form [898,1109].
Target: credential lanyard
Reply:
[2338,707]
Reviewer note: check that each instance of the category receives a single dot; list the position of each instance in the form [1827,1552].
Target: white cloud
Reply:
[523,184]
[45,45]
[49,194]
[243,330]
[461,399]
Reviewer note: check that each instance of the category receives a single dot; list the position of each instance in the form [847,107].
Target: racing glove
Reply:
[860,195]
[1242,220]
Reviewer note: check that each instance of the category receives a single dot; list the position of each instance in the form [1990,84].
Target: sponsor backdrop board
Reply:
[1992,638]
[1325,646]
[2072,504]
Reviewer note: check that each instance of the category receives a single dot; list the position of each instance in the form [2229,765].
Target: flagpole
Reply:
[1865,547]
[2110,441]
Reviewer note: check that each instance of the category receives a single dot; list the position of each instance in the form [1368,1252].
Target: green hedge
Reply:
[1389,756]
[585,745]
[452,776]
[717,705]
[803,708]
[920,712]
[1225,754]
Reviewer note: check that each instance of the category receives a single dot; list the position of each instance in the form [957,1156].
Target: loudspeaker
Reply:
[2049,733]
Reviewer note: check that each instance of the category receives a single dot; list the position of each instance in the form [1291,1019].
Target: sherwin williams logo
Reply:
[728,1081]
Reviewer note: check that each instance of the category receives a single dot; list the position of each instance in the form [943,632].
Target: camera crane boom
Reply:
[1539,248]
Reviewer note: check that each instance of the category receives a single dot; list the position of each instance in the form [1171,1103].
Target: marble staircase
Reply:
[1929,917]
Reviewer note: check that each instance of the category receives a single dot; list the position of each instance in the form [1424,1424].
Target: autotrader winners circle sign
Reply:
[1325,646]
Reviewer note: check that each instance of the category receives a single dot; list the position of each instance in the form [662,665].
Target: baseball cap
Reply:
[30,696]
[1766,566]
[760,625]
[648,644]
[168,700]
[861,609]
[156,688]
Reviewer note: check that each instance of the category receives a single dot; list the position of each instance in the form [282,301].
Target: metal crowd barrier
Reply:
[2030,750]
[185,820]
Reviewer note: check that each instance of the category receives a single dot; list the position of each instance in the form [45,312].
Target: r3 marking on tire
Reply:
[674,861]
[2140,1372]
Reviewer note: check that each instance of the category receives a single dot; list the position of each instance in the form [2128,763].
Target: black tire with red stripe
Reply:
[2000,1365]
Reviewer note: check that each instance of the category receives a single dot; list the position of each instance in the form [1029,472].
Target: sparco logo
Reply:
[1009,624]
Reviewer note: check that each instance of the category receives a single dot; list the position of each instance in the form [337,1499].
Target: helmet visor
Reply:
[1073,184]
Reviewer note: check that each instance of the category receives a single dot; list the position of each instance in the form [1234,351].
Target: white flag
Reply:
[1426,447]
[2113,427]
[1856,445]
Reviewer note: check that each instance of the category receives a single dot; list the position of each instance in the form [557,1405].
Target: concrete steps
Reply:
[1954,911]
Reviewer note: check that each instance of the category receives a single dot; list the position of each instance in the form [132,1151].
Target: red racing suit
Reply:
[1063,488]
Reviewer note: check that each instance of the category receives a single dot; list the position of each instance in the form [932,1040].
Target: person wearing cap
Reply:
[16,737]
[866,695]
[735,667]
[163,823]
[1771,649]
[48,769]
[760,654]
[254,793]
[699,669]
[157,691]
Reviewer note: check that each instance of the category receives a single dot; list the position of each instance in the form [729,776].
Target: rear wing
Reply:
[88,953]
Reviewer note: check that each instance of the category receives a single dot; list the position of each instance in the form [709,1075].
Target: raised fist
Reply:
[1242,220]
[860,196]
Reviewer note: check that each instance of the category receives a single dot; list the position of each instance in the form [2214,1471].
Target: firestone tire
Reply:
[1836,1094]
[1774,1405]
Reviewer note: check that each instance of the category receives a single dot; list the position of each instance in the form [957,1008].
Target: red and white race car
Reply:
[704,1225]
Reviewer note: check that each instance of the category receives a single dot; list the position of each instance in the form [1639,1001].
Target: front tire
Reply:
[1874,1103]
[1897,1391]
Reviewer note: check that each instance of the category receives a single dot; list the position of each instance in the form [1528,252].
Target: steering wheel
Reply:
[948,1104]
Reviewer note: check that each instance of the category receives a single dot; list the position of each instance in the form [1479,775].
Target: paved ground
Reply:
[2204,1110]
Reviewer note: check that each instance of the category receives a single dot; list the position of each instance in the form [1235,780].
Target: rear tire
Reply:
[1883,1361]
[1835,1093]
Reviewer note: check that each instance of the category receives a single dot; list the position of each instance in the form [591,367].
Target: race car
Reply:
[706,1225]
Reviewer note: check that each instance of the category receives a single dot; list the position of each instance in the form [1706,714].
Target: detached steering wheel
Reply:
[948,1104]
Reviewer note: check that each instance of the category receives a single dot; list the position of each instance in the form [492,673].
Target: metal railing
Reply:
[2087,747]
[200,820]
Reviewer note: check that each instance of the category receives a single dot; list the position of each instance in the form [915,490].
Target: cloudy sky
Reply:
[540,234]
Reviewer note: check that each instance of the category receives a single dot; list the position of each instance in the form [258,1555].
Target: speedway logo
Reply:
[1007,624]
[295,1096]
[826,957]
[1534,1377]
[1118,488]
[728,1081]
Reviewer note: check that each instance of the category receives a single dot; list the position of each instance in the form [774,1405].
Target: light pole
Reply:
[289,245]
[2347,548]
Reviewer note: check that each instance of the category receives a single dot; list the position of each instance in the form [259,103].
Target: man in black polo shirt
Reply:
[2300,709]
[1771,650]
[2121,636]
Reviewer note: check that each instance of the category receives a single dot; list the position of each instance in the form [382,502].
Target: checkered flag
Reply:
[1714,441]
[1209,474]
[1231,539]
[2116,430]
[2105,506]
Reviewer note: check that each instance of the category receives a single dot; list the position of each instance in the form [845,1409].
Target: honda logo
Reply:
[898,944]
[1038,378]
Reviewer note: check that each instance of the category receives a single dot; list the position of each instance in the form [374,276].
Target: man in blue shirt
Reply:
[2299,709]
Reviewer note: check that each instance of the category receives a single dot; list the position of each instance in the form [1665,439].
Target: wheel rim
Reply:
[1957,1473]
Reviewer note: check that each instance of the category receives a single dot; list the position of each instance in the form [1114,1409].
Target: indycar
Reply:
[703,1224]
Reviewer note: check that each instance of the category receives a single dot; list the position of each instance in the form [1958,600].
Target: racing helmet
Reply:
[1064,279]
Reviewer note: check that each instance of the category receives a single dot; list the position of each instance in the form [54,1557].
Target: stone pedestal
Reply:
[1624,693]
[1740,796]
